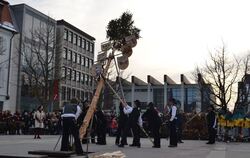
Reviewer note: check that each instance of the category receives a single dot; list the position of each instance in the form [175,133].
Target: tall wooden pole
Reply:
[95,98]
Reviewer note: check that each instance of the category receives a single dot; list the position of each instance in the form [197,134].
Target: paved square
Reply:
[21,144]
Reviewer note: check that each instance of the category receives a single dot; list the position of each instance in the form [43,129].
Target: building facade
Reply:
[243,98]
[189,96]
[36,49]
[8,79]
[74,57]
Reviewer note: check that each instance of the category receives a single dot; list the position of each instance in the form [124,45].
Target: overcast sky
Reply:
[176,34]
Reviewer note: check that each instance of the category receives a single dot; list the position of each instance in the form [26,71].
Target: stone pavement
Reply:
[21,144]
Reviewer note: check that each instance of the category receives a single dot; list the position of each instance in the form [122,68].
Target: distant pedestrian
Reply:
[39,117]
[173,119]
[211,125]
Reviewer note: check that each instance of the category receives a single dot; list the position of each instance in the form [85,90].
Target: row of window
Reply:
[77,58]
[77,76]
[69,93]
[78,40]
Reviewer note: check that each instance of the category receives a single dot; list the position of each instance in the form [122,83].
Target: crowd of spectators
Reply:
[23,123]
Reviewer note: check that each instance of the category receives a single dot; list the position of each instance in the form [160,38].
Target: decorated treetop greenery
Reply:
[122,27]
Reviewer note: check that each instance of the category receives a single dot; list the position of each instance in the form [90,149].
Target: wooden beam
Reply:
[94,101]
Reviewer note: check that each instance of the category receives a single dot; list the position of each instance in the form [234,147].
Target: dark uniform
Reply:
[179,127]
[69,116]
[101,128]
[172,124]
[211,124]
[122,123]
[154,122]
[133,123]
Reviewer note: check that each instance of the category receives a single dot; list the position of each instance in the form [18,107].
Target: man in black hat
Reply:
[134,114]
[134,123]
[154,123]
[211,125]
[122,124]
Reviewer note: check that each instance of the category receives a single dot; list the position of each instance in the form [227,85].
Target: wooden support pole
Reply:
[92,107]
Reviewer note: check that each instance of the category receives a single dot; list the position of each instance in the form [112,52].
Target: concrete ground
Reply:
[21,144]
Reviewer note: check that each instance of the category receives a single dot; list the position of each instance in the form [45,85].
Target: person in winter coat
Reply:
[39,117]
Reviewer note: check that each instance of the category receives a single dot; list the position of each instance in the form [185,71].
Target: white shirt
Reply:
[127,109]
[173,113]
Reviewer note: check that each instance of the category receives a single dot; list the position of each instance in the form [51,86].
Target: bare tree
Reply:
[39,61]
[221,73]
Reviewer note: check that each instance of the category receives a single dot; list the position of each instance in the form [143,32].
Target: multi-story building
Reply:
[243,98]
[36,43]
[74,58]
[190,96]
[8,79]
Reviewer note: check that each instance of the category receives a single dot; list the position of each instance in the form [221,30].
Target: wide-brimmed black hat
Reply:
[151,104]
[211,106]
[137,103]
[172,100]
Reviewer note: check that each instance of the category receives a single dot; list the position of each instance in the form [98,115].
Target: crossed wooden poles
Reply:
[92,107]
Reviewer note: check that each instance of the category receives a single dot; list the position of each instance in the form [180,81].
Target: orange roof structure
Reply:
[6,20]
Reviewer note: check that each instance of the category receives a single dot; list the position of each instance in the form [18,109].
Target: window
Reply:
[83,61]
[63,72]
[74,57]
[82,78]
[78,59]
[70,37]
[2,46]
[73,93]
[78,95]
[68,93]
[91,47]
[1,77]
[87,62]
[75,39]
[65,36]
[83,43]
[73,75]
[79,43]
[90,80]
[82,95]
[87,79]
[65,53]
[77,76]
[69,74]
[90,62]
[63,93]
[88,46]
[69,55]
